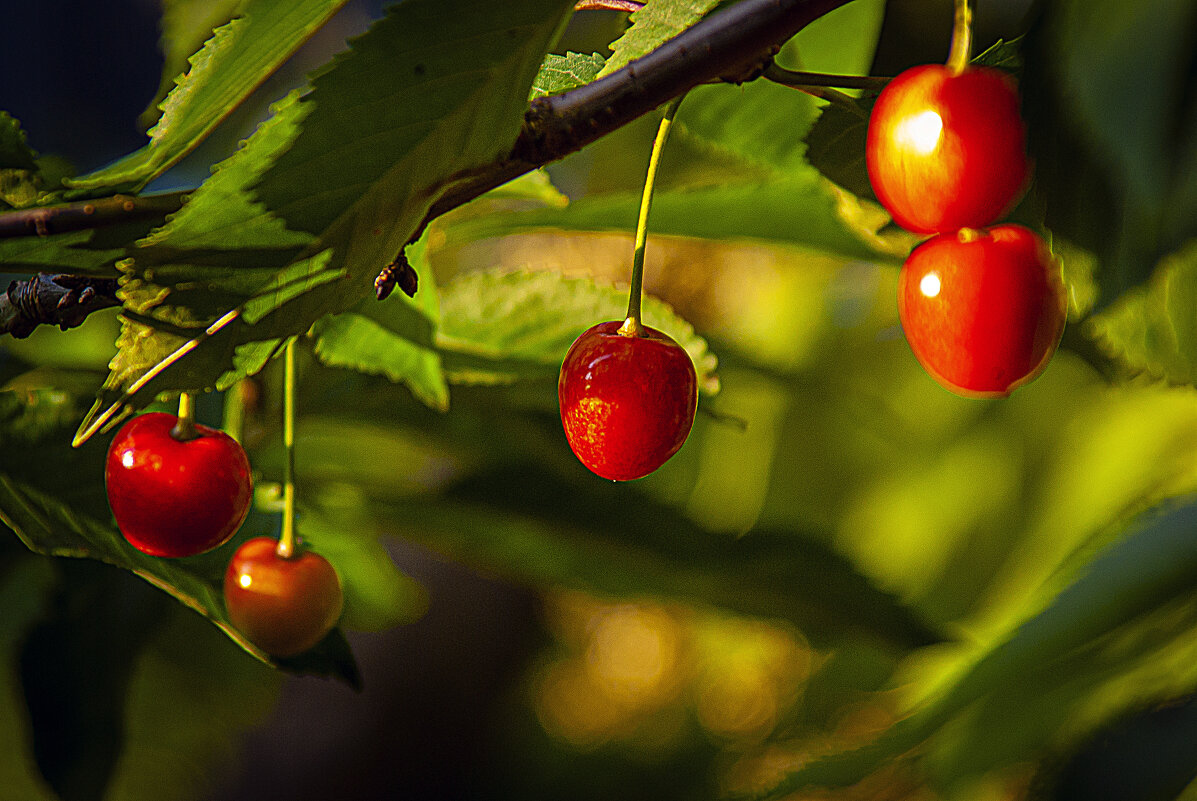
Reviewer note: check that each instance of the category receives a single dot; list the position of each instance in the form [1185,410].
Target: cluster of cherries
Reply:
[983,309]
[179,489]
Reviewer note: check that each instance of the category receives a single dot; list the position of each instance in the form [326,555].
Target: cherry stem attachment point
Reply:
[184,430]
[632,326]
[961,51]
[286,541]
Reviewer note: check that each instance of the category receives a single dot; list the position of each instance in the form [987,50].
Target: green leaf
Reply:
[223,73]
[393,338]
[77,253]
[803,210]
[653,25]
[15,154]
[55,513]
[185,25]
[562,73]
[384,129]
[500,327]
[1151,567]
[1153,328]
[610,540]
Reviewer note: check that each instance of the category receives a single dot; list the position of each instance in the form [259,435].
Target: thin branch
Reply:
[62,300]
[801,80]
[85,215]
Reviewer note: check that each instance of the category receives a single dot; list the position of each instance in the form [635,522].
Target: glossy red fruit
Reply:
[283,606]
[627,402]
[947,151]
[173,498]
[982,310]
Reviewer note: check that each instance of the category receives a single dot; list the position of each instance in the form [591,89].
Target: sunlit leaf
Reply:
[562,73]
[653,25]
[238,57]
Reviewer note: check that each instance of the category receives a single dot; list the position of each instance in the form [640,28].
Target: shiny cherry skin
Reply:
[176,498]
[282,605]
[627,402]
[982,310]
[947,151]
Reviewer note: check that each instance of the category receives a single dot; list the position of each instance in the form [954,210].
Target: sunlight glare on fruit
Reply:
[244,580]
[930,285]
[920,132]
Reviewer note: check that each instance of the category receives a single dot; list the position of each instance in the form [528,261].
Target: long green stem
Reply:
[286,542]
[184,429]
[961,52]
[631,326]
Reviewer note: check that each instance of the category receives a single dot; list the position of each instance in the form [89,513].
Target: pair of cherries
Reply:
[177,493]
[983,309]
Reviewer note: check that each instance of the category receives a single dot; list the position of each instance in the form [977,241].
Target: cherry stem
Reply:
[286,541]
[803,80]
[961,51]
[631,326]
[184,430]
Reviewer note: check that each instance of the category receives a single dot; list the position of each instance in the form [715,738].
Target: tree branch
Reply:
[735,44]
[62,300]
[85,215]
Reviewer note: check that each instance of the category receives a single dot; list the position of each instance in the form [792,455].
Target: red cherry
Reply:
[172,497]
[947,151]
[627,402]
[282,605]
[982,310]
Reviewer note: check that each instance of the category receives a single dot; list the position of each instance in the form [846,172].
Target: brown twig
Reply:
[62,300]
[85,215]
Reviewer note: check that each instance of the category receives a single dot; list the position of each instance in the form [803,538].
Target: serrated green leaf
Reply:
[1148,569]
[500,327]
[562,73]
[221,251]
[185,26]
[238,57]
[653,25]
[73,252]
[54,513]
[389,124]
[1153,329]
[761,123]
[393,338]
